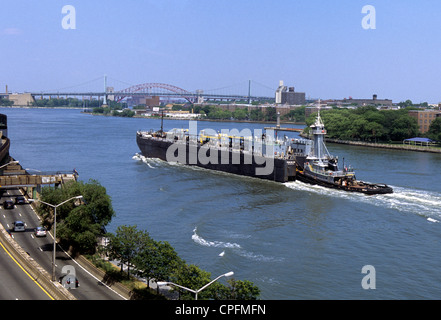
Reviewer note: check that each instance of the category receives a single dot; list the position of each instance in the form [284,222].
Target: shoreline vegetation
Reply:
[81,227]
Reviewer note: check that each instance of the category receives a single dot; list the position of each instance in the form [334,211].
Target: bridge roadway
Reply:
[13,285]
[159,94]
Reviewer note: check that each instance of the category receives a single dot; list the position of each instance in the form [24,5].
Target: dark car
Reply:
[20,200]
[8,204]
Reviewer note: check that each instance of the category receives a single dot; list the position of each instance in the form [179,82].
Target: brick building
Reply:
[424,118]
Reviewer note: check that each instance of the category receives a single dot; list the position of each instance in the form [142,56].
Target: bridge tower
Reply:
[105,91]
[200,98]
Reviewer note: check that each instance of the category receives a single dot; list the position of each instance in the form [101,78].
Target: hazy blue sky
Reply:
[317,46]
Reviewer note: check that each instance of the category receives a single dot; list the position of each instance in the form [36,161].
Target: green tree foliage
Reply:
[6,102]
[368,124]
[434,132]
[297,115]
[78,225]
[126,244]
[158,260]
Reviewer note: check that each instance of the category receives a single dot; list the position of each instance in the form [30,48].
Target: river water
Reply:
[293,240]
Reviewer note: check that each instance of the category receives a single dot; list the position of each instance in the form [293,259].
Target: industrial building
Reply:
[361,102]
[287,95]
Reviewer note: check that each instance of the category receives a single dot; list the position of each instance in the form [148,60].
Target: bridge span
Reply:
[153,89]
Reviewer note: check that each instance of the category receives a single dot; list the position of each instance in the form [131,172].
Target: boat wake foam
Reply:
[420,202]
[234,246]
[218,244]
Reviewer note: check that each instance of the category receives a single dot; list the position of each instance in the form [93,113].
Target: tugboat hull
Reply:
[363,187]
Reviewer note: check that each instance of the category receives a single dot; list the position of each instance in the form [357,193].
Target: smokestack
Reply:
[375,97]
[6,89]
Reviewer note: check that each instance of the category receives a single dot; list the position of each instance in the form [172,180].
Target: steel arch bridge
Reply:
[146,88]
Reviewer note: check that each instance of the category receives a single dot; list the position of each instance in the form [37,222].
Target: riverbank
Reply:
[386,146]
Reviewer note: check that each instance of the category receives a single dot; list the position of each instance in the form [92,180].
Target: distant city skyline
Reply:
[319,47]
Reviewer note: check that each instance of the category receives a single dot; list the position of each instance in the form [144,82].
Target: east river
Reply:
[293,240]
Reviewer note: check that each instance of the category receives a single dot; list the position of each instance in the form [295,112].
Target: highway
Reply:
[15,283]
[41,250]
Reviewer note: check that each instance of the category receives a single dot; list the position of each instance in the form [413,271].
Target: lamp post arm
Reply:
[199,290]
[182,287]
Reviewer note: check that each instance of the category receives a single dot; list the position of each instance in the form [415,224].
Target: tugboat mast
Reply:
[318,132]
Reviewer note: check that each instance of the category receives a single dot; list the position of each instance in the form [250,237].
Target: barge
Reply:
[262,155]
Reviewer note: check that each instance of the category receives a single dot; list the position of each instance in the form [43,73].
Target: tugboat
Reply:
[316,166]
[306,160]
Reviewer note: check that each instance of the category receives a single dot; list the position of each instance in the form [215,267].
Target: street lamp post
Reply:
[55,227]
[164,283]
[7,164]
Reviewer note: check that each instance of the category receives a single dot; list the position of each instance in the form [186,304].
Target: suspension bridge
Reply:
[88,90]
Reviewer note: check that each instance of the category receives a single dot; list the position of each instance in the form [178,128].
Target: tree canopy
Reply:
[158,260]
[368,124]
[78,225]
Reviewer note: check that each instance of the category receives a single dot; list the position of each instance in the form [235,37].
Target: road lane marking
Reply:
[9,254]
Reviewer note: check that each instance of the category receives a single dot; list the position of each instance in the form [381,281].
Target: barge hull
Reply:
[231,161]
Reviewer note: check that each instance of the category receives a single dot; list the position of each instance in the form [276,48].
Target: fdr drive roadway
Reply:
[16,283]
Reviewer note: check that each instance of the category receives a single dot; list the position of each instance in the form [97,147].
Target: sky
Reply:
[319,47]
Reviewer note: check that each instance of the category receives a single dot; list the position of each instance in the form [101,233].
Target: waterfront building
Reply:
[288,96]
[362,102]
[425,118]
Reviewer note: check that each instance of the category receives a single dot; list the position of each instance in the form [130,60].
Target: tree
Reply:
[434,132]
[271,114]
[240,114]
[78,226]
[192,277]
[256,114]
[126,244]
[157,260]
[242,290]
[404,127]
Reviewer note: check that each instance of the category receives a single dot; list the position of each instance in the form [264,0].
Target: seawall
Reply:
[386,146]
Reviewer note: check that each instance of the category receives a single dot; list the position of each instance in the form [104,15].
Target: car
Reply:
[8,204]
[19,226]
[69,281]
[20,200]
[40,232]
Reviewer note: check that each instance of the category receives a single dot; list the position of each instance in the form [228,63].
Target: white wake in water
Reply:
[236,248]
[420,202]
[150,162]
[218,244]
